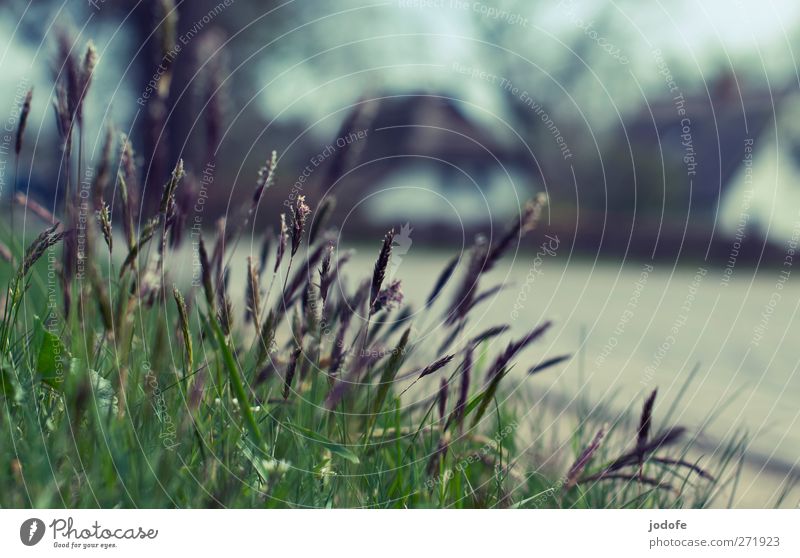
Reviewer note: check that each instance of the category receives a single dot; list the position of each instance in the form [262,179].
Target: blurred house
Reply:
[656,186]
[421,154]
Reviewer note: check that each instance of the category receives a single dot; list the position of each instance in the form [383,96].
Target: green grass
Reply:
[117,417]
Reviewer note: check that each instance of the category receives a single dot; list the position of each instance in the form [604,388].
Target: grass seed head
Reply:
[282,240]
[435,366]
[515,347]
[324,212]
[205,270]
[645,421]
[266,338]
[527,221]
[291,368]
[379,273]
[300,212]
[463,389]
[442,280]
[389,298]
[168,195]
[253,306]
[23,120]
[69,72]
[325,276]
[86,74]
[311,309]
[103,175]
[104,216]
[463,301]
[41,243]
[583,459]
[266,178]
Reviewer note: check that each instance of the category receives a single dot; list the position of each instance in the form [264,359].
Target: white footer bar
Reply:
[389,533]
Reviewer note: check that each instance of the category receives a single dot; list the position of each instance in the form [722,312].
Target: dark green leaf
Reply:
[53,358]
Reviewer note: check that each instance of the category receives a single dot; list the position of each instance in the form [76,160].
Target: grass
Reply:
[120,389]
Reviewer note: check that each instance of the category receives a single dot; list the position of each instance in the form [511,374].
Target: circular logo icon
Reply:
[31,531]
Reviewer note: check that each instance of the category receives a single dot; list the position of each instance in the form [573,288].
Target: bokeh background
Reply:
[665,135]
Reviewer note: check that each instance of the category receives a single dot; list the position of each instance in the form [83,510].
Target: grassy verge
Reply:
[177,401]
